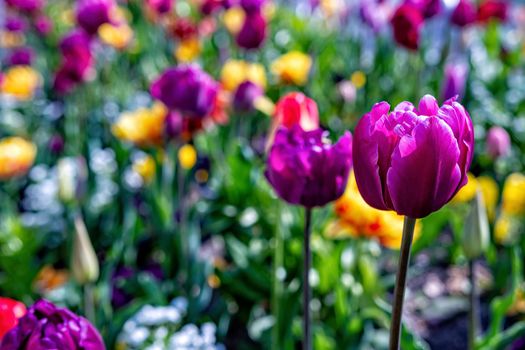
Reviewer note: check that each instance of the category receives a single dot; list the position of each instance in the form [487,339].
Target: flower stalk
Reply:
[473,321]
[399,291]
[307,293]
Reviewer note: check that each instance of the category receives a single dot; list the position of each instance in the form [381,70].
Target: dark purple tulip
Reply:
[186,88]
[91,14]
[413,160]
[75,44]
[464,13]
[46,326]
[15,24]
[305,170]
[245,96]
[455,80]
[76,61]
[406,24]
[26,5]
[498,142]
[429,8]
[252,6]
[253,31]
[56,144]
[173,124]
[21,56]
[43,25]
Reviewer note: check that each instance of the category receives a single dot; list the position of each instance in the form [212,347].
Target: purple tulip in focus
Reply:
[26,5]
[303,169]
[464,13]
[455,80]
[91,14]
[498,142]
[253,31]
[413,160]
[21,56]
[245,96]
[46,326]
[186,88]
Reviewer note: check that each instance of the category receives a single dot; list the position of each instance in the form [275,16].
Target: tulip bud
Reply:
[84,263]
[246,95]
[72,178]
[406,24]
[253,32]
[455,79]
[475,239]
[498,142]
[464,13]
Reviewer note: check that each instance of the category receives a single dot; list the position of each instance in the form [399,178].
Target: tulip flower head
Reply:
[306,170]
[406,23]
[464,13]
[498,142]
[91,14]
[16,157]
[46,326]
[253,31]
[297,109]
[413,160]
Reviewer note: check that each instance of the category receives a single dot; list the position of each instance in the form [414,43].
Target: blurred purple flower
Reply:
[91,14]
[253,31]
[26,5]
[186,88]
[160,6]
[375,13]
[20,56]
[43,25]
[464,13]
[245,96]
[454,80]
[498,142]
[252,6]
[46,326]
[492,9]
[413,160]
[429,8]
[407,22]
[56,144]
[173,124]
[15,24]
[305,170]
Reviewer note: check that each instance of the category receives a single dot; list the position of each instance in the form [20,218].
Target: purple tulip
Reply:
[46,326]
[43,25]
[173,124]
[464,13]
[413,160]
[498,142]
[305,170]
[455,80]
[429,8]
[245,96]
[15,24]
[26,5]
[186,88]
[91,14]
[375,13]
[406,24]
[253,31]
[21,56]
[160,6]
[252,6]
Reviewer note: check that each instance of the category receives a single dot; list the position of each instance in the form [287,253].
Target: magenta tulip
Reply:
[413,160]
[303,169]
[464,13]
[406,24]
[91,14]
[253,31]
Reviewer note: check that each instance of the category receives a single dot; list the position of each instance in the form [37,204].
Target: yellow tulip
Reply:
[187,156]
[490,191]
[145,167]
[358,78]
[142,127]
[20,82]
[16,157]
[467,192]
[233,19]
[188,50]
[292,68]
[117,36]
[235,72]
[513,198]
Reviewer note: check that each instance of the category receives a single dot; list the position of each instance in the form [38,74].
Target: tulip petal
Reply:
[424,171]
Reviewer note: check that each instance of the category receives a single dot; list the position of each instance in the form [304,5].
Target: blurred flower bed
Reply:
[133,143]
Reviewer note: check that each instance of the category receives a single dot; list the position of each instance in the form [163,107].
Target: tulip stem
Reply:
[89,305]
[399,291]
[473,307]
[307,293]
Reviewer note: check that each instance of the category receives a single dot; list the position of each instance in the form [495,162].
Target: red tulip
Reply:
[10,311]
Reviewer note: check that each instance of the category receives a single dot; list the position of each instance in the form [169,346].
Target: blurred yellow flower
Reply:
[20,82]
[467,192]
[358,78]
[16,157]
[507,229]
[67,17]
[331,7]
[188,50]
[143,127]
[513,197]
[145,167]
[357,219]
[11,40]
[235,72]
[117,36]
[187,156]
[233,19]
[490,191]
[292,67]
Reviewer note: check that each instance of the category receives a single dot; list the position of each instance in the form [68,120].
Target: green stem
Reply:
[278,263]
[89,302]
[399,291]
[307,293]
[473,321]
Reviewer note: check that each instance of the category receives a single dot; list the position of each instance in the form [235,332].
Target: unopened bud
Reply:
[84,262]
[476,235]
